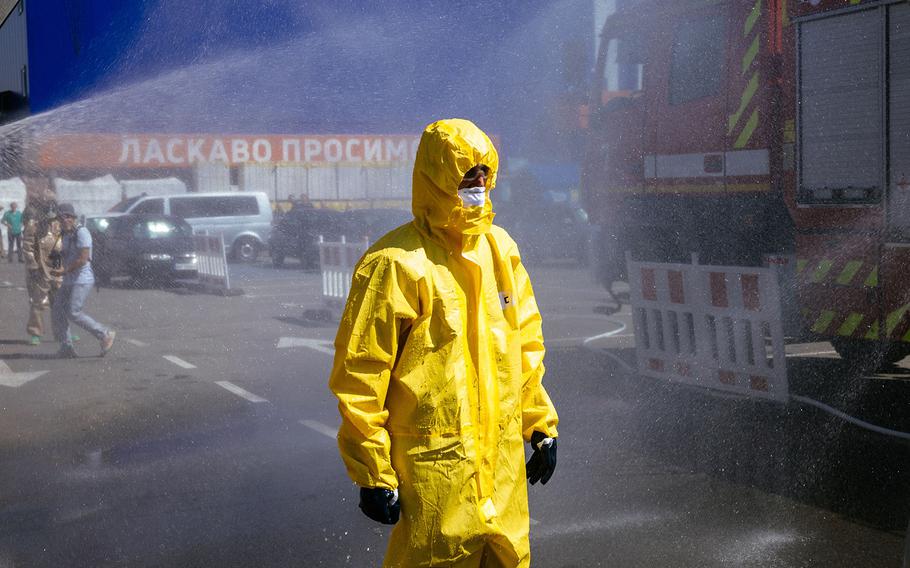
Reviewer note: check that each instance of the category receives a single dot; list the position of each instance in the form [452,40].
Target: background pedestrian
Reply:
[77,284]
[43,245]
[12,220]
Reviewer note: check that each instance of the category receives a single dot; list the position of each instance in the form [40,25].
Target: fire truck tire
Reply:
[870,355]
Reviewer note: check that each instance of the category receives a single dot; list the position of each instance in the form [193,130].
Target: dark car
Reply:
[98,224]
[144,247]
[297,233]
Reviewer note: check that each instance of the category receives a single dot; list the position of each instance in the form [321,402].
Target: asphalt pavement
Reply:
[206,438]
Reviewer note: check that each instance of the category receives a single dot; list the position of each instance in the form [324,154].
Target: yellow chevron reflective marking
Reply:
[790,131]
[823,321]
[750,55]
[753,17]
[822,270]
[873,331]
[751,88]
[850,270]
[872,279]
[801,265]
[850,324]
[747,132]
[894,318]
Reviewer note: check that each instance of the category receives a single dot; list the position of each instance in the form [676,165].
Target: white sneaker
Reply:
[107,342]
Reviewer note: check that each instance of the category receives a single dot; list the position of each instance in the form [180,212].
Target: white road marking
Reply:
[135,342]
[321,428]
[240,392]
[575,317]
[533,522]
[8,378]
[320,345]
[179,362]
[622,341]
[621,328]
[812,354]
[7,284]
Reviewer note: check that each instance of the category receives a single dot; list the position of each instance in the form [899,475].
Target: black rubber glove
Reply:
[381,505]
[543,461]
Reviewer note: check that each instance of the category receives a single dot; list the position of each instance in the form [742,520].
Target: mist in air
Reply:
[284,68]
[654,183]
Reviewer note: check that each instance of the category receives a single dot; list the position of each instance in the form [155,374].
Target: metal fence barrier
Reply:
[336,262]
[211,261]
[717,327]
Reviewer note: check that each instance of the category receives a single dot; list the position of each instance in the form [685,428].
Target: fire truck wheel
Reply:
[870,355]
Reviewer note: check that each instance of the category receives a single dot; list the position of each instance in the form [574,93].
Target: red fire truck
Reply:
[759,131]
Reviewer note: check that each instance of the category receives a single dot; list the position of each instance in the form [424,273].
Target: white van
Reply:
[243,218]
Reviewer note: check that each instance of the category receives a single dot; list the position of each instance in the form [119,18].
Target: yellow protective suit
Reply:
[438,367]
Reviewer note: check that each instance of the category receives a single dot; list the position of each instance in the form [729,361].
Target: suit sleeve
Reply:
[537,410]
[378,309]
[30,245]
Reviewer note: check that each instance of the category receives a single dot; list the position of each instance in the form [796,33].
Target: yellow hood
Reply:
[447,150]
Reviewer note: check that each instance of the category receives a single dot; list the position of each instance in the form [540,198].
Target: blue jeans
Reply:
[67,308]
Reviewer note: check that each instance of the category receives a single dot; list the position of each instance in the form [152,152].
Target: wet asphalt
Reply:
[204,439]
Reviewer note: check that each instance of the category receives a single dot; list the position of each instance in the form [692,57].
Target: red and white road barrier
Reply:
[716,327]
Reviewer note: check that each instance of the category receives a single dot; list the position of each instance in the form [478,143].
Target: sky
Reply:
[286,66]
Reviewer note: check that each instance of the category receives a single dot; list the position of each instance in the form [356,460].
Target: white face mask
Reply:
[473,196]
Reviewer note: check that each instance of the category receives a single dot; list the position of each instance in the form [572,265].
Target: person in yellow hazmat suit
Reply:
[438,367]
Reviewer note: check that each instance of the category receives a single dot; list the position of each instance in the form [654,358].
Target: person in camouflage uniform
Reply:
[42,246]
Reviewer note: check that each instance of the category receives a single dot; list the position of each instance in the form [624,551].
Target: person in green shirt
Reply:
[13,221]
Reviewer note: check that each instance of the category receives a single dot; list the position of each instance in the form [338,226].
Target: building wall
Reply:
[14,47]
[211,177]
